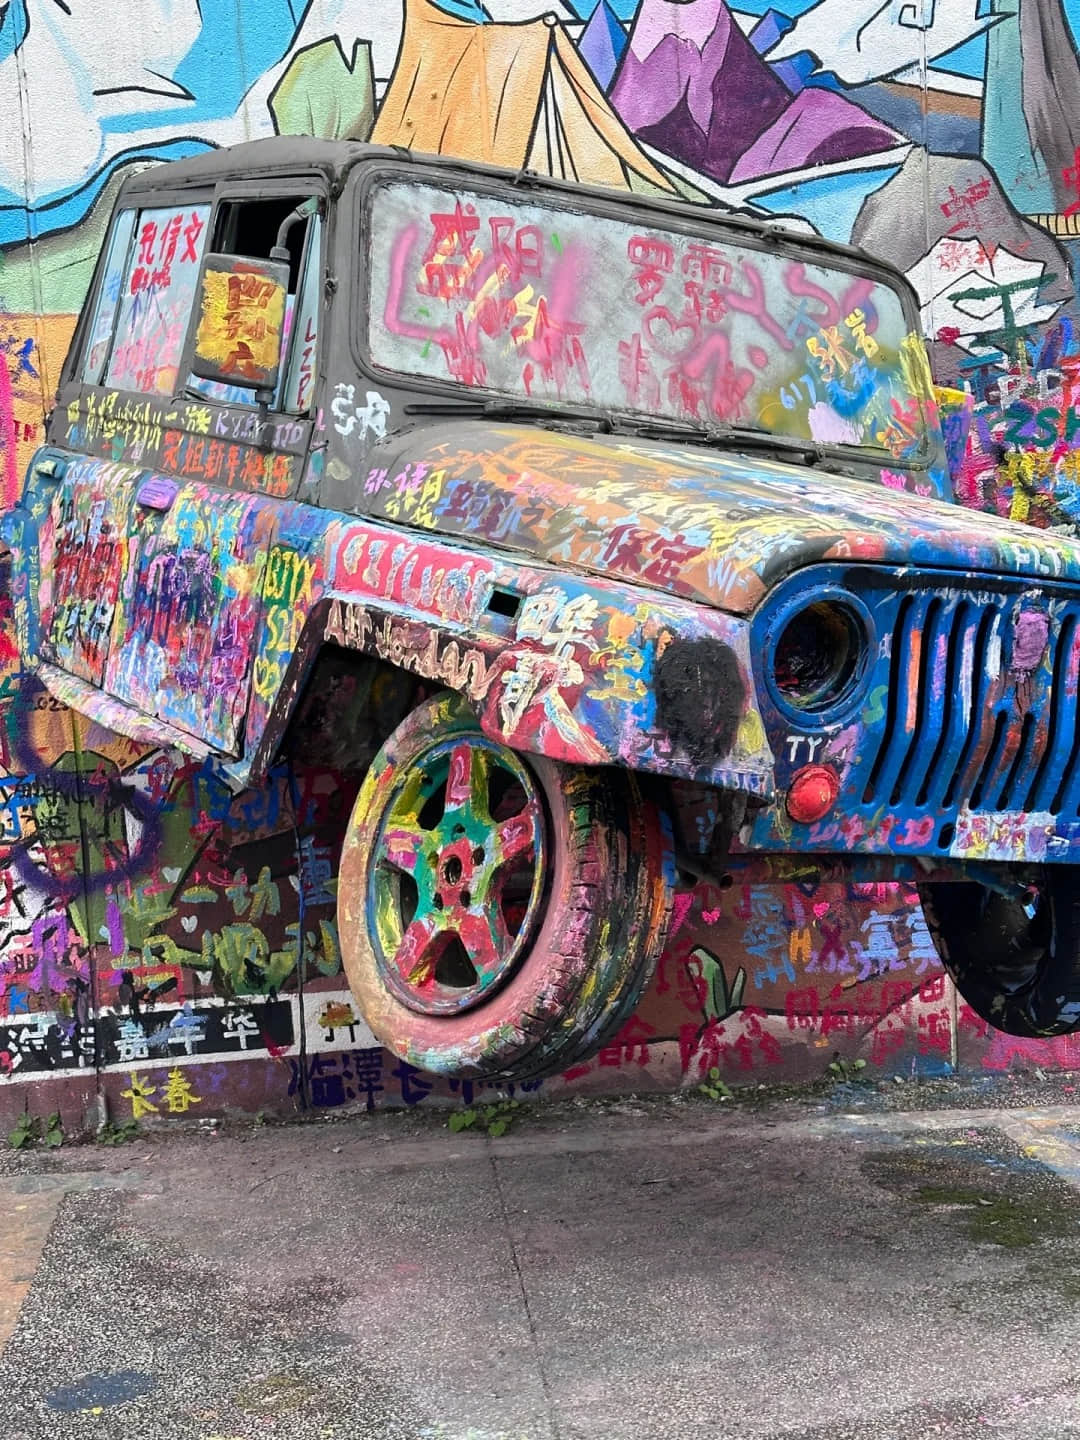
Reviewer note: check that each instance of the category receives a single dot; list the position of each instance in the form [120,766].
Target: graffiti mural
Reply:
[173,941]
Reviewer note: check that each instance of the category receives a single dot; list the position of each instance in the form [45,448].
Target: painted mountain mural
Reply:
[818,127]
[602,43]
[691,84]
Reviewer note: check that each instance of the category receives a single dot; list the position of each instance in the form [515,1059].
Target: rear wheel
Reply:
[1014,958]
[499,915]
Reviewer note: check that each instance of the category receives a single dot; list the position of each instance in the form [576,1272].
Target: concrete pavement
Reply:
[814,1268]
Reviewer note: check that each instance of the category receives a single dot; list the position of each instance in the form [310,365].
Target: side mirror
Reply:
[241,321]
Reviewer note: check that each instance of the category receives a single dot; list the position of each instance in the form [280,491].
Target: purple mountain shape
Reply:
[691,84]
[817,128]
[602,43]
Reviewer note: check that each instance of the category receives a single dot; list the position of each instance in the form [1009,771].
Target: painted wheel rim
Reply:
[456,884]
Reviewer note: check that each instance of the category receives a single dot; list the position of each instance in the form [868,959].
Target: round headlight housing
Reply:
[819,657]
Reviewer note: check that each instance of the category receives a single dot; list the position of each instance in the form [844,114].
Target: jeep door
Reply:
[199,470]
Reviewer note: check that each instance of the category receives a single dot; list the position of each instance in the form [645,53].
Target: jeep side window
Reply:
[250,228]
[156,296]
[108,300]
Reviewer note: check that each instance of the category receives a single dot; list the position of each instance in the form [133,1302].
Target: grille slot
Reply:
[1011,796]
[991,758]
[950,734]
[977,687]
[921,711]
[1065,794]
[1061,723]
[893,700]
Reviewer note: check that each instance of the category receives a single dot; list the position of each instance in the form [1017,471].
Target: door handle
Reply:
[51,470]
[156,493]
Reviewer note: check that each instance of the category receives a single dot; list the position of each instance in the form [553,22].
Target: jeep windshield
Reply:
[530,298]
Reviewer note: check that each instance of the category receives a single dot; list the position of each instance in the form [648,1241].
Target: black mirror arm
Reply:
[306,208]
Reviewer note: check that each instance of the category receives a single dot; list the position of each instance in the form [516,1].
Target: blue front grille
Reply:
[965,726]
[968,708]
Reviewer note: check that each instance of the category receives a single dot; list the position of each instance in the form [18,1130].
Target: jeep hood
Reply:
[719,528]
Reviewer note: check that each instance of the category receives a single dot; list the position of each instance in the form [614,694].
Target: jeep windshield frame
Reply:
[667,220]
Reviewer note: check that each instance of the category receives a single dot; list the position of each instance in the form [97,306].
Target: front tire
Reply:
[1015,960]
[498,914]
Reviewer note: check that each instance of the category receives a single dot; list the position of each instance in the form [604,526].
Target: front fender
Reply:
[581,671]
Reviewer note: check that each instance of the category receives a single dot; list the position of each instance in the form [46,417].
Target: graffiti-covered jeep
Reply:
[623,527]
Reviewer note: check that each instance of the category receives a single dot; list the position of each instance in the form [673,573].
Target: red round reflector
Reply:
[812,793]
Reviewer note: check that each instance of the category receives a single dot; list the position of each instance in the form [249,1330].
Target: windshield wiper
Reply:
[731,437]
[509,410]
[666,430]
[738,437]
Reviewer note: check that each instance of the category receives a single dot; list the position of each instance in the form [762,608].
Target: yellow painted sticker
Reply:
[241,323]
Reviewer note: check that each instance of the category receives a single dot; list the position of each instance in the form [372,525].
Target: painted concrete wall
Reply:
[176,947]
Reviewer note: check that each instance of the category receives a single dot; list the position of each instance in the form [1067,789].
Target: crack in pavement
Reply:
[545,1383]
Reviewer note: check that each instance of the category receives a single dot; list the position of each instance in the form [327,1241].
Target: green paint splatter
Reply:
[556,242]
